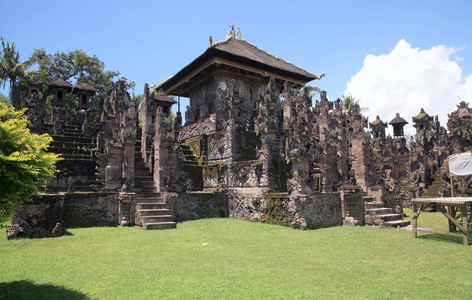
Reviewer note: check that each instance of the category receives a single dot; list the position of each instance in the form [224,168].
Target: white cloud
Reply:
[408,79]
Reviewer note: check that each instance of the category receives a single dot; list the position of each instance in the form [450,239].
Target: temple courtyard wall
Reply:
[48,215]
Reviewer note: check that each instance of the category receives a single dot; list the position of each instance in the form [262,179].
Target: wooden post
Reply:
[452,187]
[465,224]
[414,219]
[451,210]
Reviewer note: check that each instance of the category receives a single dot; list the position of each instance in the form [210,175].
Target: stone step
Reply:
[71,150]
[396,224]
[190,158]
[143,178]
[157,219]
[389,217]
[150,199]
[73,139]
[62,144]
[371,205]
[142,174]
[72,130]
[154,211]
[145,192]
[77,156]
[379,211]
[73,134]
[140,165]
[158,203]
[159,226]
[144,184]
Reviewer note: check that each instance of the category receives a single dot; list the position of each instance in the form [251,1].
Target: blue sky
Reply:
[149,41]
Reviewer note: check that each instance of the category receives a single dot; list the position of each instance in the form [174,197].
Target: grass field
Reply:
[232,259]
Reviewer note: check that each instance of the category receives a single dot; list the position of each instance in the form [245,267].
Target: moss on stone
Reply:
[275,210]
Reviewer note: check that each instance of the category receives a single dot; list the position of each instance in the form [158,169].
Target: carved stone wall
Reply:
[197,128]
[91,209]
[50,214]
[300,211]
[314,211]
[198,205]
[43,217]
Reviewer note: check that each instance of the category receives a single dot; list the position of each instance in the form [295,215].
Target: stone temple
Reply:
[252,147]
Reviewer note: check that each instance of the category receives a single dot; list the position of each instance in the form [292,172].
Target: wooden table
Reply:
[452,208]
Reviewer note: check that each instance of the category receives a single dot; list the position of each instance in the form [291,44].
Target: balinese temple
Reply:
[231,86]
[250,146]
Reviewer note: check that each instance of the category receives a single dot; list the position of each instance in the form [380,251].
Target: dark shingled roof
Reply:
[164,99]
[398,120]
[242,54]
[244,49]
[60,83]
[84,87]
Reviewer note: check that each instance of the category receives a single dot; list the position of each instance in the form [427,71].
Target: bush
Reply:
[25,166]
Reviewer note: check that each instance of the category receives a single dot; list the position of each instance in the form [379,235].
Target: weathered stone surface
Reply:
[300,211]
[197,205]
[91,209]
[315,211]
[246,204]
[43,217]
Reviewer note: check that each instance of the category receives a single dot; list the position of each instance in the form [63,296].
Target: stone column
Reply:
[352,203]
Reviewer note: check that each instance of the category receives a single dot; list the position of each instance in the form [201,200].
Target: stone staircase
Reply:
[189,157]
[77,153]
[378,215]
[432,191]
[151,210]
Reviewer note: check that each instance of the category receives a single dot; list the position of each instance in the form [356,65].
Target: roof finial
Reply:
[211,41]
[239,33]
[231,33]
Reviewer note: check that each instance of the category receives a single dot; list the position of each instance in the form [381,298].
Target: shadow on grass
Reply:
[29,290]
[440,238]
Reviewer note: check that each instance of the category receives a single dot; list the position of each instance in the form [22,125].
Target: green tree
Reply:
[25,166]
[74,67]
[13,71]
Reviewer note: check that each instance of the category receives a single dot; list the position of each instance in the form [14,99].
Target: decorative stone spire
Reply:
[398,123]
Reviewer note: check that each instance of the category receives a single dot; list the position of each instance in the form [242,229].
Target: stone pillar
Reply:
[162,142]
[148,116]
[60,88]
[126,209]
[352,203]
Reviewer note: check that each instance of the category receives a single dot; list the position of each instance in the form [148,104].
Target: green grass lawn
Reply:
[226,258]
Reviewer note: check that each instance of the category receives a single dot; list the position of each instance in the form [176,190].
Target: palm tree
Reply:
[351,105]
[12,70]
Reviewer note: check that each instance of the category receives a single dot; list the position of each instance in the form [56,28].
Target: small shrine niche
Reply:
[398,123]
[378,128]
[164,102]
[33,89]
[84,92]
[423,121]
[60,87]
